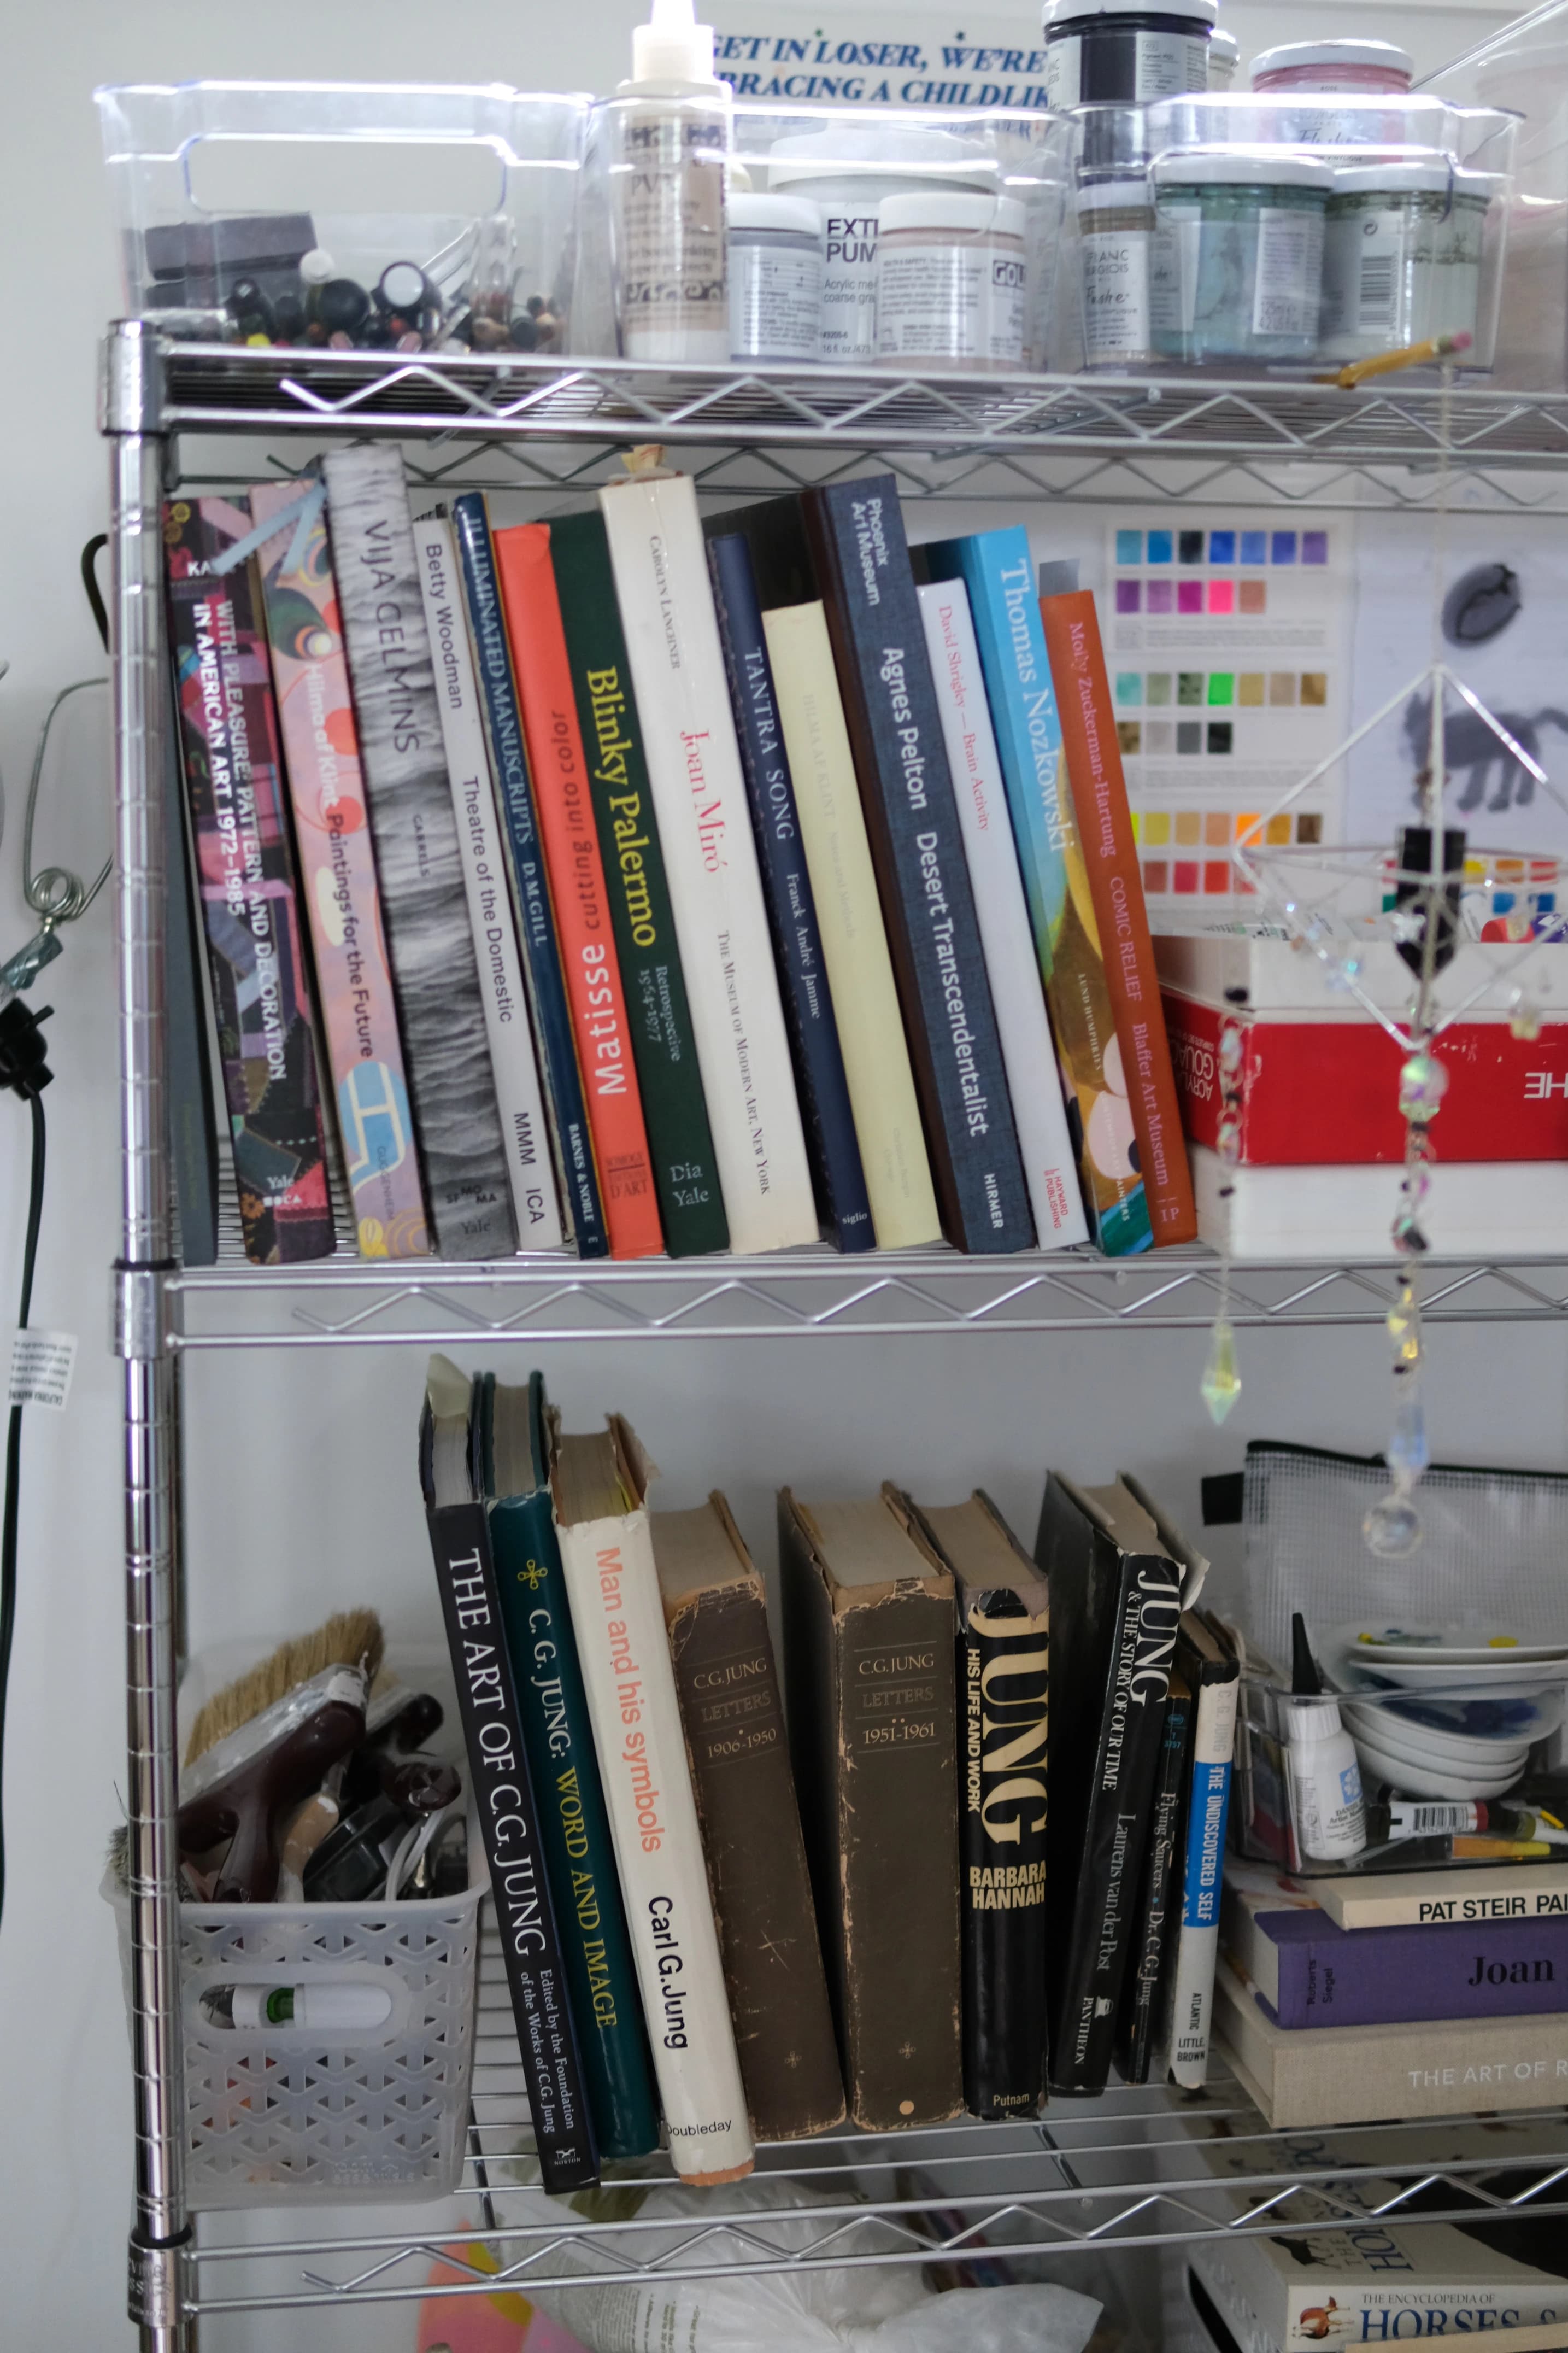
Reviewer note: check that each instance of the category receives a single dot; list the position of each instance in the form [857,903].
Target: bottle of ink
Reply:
[672,150]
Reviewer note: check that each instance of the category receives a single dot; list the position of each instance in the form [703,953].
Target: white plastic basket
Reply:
[288,2115]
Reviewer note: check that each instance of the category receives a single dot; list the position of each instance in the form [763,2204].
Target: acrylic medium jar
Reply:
[1224,56]
[775,277]
[951,280]
[847,171]
[1236,268]
[1402,256]
[1116,234]
[1125,50]
[1367,68]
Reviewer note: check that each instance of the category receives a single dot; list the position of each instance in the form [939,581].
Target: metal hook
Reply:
[54,895]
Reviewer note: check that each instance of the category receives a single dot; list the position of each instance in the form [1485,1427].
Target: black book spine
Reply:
[1142,1993]
[520,1886]
[840,1182]
[192,1131]
[1002,1691]
[857,537]
[1131,1728]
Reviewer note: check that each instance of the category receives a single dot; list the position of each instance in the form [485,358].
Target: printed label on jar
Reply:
[947,303]
[1174,252]
[1169,64]
[672,228]
[775,302]
[849,324]
[1399,280]
[1123,66]
[1115,292]
[1287,288]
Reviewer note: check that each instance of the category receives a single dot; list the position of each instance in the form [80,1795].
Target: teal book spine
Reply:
[573,1828]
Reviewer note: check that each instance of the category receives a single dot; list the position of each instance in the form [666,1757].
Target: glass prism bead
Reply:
[1221,1383]
[1423,1083]
[1392,1527]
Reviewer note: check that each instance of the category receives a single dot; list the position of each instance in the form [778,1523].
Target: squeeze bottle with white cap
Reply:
[1320,1763]
[673,142]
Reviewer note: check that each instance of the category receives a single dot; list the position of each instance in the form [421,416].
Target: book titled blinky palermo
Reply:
[337,877]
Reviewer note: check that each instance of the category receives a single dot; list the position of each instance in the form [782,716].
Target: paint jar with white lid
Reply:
[846,170]
[1224,58]
[1125,50]
[1116,234]
[1236,268]
[1402,256]
[775,277]
[1365,68]
[951,280]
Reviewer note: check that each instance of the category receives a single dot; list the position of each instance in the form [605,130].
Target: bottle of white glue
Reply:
[672,156]
[1321,1762]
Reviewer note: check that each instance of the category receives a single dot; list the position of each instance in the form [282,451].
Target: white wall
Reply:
[301,1468]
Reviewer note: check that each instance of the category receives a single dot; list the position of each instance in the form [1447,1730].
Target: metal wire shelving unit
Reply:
[1125,2172]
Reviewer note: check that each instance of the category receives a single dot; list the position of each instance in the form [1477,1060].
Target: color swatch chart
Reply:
[1229,657]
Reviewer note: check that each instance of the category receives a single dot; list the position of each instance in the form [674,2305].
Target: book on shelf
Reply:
[577,890]
[1003,1688]
[1104,821]
[715,1606]
[1311,1973]
[424,906]
[1474,1208]
[664,1044]
[519,1098]
[1359,2074]
[1028,1054]
[193,1117]
[842,1202]
[1116,1569]
[711,857]
[247,884]
[1410,1899]
[502,1781]
[868,1670]
[870,1022]
[1212,1672]
[571,1140]
[855,535]
[997,569]
[574,1830]
[337,872]
[1159,1893]
[599,1483]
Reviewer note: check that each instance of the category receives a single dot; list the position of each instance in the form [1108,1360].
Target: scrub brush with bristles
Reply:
[354,1639]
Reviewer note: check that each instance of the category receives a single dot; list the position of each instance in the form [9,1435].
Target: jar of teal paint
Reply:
[1236,268]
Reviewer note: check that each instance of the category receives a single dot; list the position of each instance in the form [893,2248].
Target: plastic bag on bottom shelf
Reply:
[872,2310]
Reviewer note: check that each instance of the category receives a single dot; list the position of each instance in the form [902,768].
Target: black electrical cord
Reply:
[13,1454]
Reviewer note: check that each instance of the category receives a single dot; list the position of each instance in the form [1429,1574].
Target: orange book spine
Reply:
[576,875]
[1099,789]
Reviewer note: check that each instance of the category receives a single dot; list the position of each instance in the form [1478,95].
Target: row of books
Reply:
[646,885]
[932,1894]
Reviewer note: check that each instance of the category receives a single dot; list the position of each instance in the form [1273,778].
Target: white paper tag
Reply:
[41,1368]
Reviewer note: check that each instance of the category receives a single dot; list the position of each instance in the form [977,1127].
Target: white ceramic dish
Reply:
[1427,1780]
[1444,1646]
[1424,1745]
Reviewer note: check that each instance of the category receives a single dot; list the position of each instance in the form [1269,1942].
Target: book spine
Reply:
[247,884]
[664,1047]
[756,1861]
[575,1832]
[1464,1898]
[576,873]
[1002,1684]
[193,1122]
[424,908]
[520,1885]
[618,1617]
[1394,1976]
[1104,822]
[1029,1056]
[1142,1993]
[694,769]
[519,1097]
[842,1202]
[1131,1730]
[1198,1939]
[998,572]
[530,890]
[337,869]
[872,1038]
[1408,2294]
[856,535]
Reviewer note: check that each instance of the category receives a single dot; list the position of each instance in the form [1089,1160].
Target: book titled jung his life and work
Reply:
[245,877]
[503,1783]
[600,1487]
[1116,1570]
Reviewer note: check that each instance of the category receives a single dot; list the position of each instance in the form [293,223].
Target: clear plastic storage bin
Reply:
[346,216]
[292,2114]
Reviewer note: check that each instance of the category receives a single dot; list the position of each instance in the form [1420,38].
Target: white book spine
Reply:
[1197,1934]
[508,1028]
[617,1616]
[710,860]
[1028,1054]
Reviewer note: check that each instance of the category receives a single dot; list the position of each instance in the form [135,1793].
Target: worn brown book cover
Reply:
[715,1606]
[868,1626]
